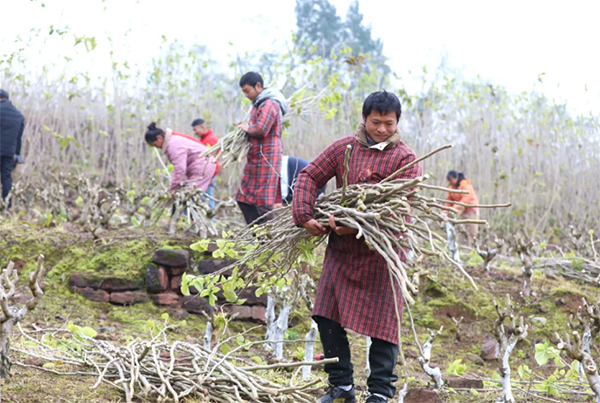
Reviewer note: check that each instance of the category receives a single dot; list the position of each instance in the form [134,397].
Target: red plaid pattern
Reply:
[260,181]
[354,289]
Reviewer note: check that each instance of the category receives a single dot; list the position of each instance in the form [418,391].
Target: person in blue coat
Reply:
[12,125]
[290,168]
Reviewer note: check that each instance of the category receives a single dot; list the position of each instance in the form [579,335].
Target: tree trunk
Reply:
[452,242]
[281,326]
[309,349]
[208,336]
[368,366]
[270,317]
[5,332]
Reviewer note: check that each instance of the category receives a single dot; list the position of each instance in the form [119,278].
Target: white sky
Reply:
[507,42]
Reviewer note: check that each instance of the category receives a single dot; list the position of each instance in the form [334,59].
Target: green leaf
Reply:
[185,289]
[456,368]
[200,246]
[79,201]
[230,295]
[89,332]
[165,316]
[240,340]
[225,348]
[49,365]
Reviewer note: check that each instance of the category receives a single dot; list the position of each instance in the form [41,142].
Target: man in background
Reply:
[12,124]
[290,168]
[259,189]
[209,139]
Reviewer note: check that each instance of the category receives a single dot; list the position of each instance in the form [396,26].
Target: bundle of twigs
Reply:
[234,146]
[390,215]
[165,371]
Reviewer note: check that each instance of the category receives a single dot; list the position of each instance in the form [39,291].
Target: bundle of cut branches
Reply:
[234,146]
[390,215]
[165,371]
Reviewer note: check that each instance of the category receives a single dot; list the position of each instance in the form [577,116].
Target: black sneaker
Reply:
[376,399]
[338,395]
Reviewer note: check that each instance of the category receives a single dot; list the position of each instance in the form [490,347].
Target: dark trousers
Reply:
[252,213]
[382,359]
[6,167]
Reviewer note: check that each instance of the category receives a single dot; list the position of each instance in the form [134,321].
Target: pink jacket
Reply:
[184,154]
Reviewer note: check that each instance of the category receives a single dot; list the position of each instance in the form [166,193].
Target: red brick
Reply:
[176,283]
[176,271]
[166,299]
[463,383]
[93,295]
[420,395]
[171,258]
[242,312]
[163,278]
[128,297]
[259,314]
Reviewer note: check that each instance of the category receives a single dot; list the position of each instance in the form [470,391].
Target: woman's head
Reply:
[155,136]
[454,178]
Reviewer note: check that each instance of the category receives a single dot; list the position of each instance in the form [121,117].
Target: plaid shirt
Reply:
[260,181]
[354,289]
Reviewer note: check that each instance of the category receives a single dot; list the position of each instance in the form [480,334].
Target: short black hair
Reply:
[197,122]
[383,102]
[3,94]
[153,133]
[251,78]
[455,174]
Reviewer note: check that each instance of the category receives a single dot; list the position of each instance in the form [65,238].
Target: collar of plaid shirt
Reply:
[362,137]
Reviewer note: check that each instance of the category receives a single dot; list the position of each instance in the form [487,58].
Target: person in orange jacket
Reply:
[457,180]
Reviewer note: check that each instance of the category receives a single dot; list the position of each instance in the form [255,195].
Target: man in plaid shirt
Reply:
[355,290]
[259,188]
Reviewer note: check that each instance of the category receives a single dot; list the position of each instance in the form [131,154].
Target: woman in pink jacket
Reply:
[183,152]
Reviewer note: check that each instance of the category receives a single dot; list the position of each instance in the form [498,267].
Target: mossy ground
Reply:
[125,254]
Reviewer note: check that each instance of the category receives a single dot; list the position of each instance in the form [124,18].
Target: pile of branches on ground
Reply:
[163,370]
[234,146]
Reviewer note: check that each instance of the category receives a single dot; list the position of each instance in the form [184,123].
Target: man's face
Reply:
[199,130]
[252,92]
[379,126]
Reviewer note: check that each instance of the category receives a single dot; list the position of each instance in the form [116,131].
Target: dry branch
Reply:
[164,371]
[507,337]
[434,373]
[13,315]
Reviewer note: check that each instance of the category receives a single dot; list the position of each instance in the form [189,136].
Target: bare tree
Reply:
[309,348]
[577,351]
[587,325]
[452,236]
[524,249]
[508,337]
[12,315]
[490,251]
[457,333]
[434,373]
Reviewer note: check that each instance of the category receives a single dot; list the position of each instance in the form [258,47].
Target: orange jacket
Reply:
[470,198]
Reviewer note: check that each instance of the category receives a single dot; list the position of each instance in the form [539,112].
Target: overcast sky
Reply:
[507,42]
